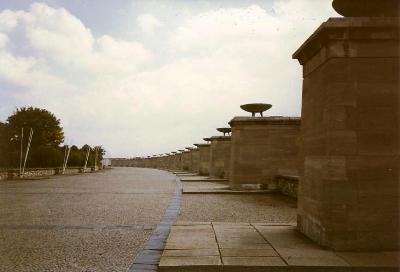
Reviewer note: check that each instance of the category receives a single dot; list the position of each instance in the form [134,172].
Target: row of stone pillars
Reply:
[346,149]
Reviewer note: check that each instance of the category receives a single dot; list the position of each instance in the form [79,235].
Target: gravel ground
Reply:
[91,222]
[69,250]
[268,208]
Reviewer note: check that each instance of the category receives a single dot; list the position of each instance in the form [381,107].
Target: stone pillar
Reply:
[163,162]
[349,192]
[169,162]
[194,160]
[261,149]
[204,159]
[185,160]
[220,155]
[177,164]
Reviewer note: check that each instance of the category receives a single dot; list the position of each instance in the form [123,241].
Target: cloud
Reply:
[3,40]
[139,101]
[148,23]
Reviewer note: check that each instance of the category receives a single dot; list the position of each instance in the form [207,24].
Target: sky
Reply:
[144,77]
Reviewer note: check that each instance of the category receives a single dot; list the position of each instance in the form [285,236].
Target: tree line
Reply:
[46,148]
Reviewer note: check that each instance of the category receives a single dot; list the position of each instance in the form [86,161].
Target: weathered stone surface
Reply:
[185,162]
[220,156]
[253,261]
[288,185]
[191,252]
[371,259]
[204,159]
[234,252]
[202,263]
[194,160]
[262,148]
[349,192]
[288,250]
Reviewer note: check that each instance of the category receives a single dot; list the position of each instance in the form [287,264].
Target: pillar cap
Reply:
[271,120]
[202,145]
[348,29]
[221,138]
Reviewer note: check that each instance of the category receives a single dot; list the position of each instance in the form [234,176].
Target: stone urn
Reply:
[256,108]
[367,8]
[224,130]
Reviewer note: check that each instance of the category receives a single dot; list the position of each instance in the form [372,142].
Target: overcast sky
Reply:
[144,77]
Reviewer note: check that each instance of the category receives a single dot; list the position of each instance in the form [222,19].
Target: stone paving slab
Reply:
[224,190]
[251,247]
[187,174]
[200,178]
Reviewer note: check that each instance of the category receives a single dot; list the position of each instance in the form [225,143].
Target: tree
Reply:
[4,143]
[46,127]
[46,156]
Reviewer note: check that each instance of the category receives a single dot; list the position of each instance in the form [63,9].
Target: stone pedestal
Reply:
[164,162]
[170,162]
[177,161]
[349,192]
[185,160]
[262,148]
[194,160]
[220,155]
[204,159]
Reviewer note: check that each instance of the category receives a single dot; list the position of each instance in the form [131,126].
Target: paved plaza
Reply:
[120,220]
[102,221]
[91,222]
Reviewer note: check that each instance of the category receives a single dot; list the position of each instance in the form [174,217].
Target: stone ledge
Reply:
[271,120]
[221,138]
[202,145]
[334,28]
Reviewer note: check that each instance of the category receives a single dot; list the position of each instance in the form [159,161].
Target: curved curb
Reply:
[148,259]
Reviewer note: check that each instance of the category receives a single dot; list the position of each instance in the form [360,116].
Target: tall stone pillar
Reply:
[349,192]
[204,159]
[220,155]
[261,149]
[185,160]
[175,161]
[194,160]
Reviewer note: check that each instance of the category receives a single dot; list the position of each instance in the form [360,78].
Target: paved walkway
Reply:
[91,222]
[256,247]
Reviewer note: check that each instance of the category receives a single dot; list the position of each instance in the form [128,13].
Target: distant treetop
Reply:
[46,127]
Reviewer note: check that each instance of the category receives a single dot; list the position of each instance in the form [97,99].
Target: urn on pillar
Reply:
[262,148]
[220,154]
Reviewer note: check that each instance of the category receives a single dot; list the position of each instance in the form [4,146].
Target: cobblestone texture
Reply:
[91,222]
[268,208]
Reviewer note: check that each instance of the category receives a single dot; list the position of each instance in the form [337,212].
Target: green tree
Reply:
[46,156]
[46,127]
[4,144]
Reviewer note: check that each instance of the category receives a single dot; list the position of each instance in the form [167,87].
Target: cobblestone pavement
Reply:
[267,208]
[91,222]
